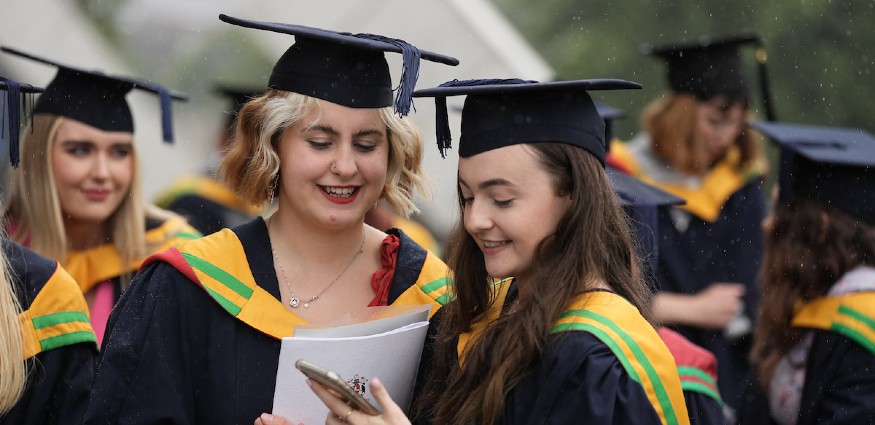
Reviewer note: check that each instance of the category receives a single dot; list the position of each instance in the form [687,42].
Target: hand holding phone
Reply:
[332,380]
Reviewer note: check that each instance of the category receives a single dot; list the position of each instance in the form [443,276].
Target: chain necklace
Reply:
[294,302]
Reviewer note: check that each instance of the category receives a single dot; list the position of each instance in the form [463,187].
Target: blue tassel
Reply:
[166,114]
[409,72]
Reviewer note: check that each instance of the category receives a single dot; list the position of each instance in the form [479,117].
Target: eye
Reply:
[78,149]
[121,152]
[365,147]
[319,145]
[502,204]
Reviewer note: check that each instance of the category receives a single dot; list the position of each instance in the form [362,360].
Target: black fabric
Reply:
[206,216]
[58,380]
[727,250]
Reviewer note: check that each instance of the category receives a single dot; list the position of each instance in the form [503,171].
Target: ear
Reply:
[824,227]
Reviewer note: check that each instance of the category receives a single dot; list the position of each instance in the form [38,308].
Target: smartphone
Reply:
[331,379]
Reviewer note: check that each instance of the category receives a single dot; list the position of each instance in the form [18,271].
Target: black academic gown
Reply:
[172,355]
[207,216]
[839,386]
[727,250]
[59,379]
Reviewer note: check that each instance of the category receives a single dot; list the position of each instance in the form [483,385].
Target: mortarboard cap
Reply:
[830,165]
[97,99]
[500,113]
[712,66]
[13,102]
[343,68]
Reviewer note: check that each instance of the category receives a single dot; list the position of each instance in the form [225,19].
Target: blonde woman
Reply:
[196,338]
[76,197]
[47,348]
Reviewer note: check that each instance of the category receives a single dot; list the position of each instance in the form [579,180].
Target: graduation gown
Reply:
[60,347]
[208,205]
[195,339]
[602,364]
[840,369]
[721,242]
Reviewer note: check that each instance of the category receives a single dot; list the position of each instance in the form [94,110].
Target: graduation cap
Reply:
[13,102]
[830,165]
[500,113]
[344,68]
[237,96]
[712,66]
[98,99]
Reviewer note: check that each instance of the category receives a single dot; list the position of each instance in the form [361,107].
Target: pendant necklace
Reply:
[295,301]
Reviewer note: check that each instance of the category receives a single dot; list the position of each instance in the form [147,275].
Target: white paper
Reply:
[388,348]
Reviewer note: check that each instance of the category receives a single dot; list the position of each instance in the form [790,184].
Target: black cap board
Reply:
[344,68]
[830,165]
[97,99]
[503,112]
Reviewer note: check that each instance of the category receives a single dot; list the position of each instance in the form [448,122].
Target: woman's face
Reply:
[93,170]
[718,126]
[510,206]
[333,165]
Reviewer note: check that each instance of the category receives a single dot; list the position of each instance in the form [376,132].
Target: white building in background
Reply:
[175,42]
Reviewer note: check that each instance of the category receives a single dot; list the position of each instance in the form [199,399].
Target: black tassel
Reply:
[768,104]
[442,126]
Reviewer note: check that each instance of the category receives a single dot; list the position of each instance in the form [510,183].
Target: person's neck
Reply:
[83,235]
[311,244]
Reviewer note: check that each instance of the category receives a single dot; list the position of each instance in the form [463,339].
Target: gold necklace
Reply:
[294,302]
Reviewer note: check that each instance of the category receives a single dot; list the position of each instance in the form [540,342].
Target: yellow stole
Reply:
[92,266]
[620,326]
[57,317]
[218,264]
[851,315]
[705,201]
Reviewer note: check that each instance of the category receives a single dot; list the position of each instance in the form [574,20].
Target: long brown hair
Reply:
[671,123]
[808,249]
[591,243]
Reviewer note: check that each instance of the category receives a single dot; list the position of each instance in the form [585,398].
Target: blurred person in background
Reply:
[814,343]
[76,197]
[696,144]
[207,203]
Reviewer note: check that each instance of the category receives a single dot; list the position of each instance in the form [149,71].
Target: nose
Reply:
[476,217]
[344,164]
[100,167]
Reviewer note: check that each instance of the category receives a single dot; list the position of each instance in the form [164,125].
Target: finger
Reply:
[336,405]
[387,405]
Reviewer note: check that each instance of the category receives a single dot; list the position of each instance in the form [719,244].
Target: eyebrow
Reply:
[327,129]
[489,183]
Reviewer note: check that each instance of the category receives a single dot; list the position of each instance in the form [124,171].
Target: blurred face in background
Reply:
[718,126]
[93,170]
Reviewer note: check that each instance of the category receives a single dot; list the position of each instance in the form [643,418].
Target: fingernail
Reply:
[375,383]
[309,383]
[267,418]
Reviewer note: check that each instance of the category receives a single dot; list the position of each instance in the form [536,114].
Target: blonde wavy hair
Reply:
[671,123]
[12,367]
[251,166]
[34,208]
